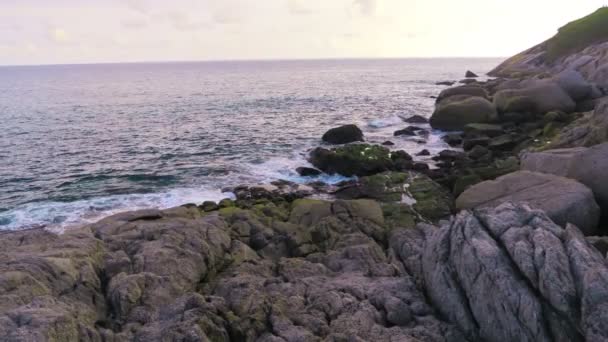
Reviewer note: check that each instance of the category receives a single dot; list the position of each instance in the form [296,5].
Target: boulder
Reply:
[455,112]
[469,90]
[586,165]
[510,274]
[540,97]
[573,83]
[352,160]
[564,200]
[343,135]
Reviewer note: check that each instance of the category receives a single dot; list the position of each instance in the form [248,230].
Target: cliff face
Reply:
[581,45]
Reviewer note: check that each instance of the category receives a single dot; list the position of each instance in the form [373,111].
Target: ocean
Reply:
[81,142]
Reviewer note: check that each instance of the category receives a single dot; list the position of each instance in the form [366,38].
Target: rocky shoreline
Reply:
[500,239]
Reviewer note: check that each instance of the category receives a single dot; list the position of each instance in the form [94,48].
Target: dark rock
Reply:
[343,135]
[468,81]
[453,139]
[478,152]
[470,74]
[352,160]
[505,142]
[470,143]
[388,143]
[479,129]
[455,112]
[308,171]
[450,155]
[226,203]
[425,197]
[416,119]
[208,206]
[446,83]
[411,131]
[424,153]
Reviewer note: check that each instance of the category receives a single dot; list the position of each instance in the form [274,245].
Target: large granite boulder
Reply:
[352,160]
[343,135]
[469,90]
[539,98]
[586,165]
[574,84]
[455,112]
[564,200]
[510,274]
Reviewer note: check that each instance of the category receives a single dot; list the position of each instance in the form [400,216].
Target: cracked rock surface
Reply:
[304,271]
[511,274]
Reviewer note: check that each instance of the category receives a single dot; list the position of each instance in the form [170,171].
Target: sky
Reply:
[97,31]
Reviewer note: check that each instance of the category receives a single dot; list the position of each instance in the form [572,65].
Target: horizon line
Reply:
[248,60]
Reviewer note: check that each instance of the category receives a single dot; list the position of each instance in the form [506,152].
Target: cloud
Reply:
[138,6]
[296,7]
[367,7]
[58,35]
[183,22]
[135,24]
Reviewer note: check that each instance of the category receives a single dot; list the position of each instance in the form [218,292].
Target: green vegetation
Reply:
[579,34]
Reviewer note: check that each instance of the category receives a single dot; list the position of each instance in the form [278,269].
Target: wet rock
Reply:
[276,190]
[470,74]
[388,143]
[424,153]
[343,135]
[426,197]
[450,155]
[564,200]
[467,81]
[308,171]
[411,131]
[416,119]
[446,83]
[453,139]
[352,160]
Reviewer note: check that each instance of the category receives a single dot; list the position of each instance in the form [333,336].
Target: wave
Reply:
[57,216]
[385,122]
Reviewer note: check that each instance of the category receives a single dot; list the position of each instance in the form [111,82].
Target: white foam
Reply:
[385,122]
[284,168]
[57,216]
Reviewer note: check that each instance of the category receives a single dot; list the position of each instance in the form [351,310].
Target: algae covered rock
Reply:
[352,160]
[413,189]
[455,112]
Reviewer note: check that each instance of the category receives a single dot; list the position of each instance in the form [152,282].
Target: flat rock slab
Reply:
[564,200]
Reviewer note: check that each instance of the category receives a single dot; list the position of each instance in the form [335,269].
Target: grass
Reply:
[579,34]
